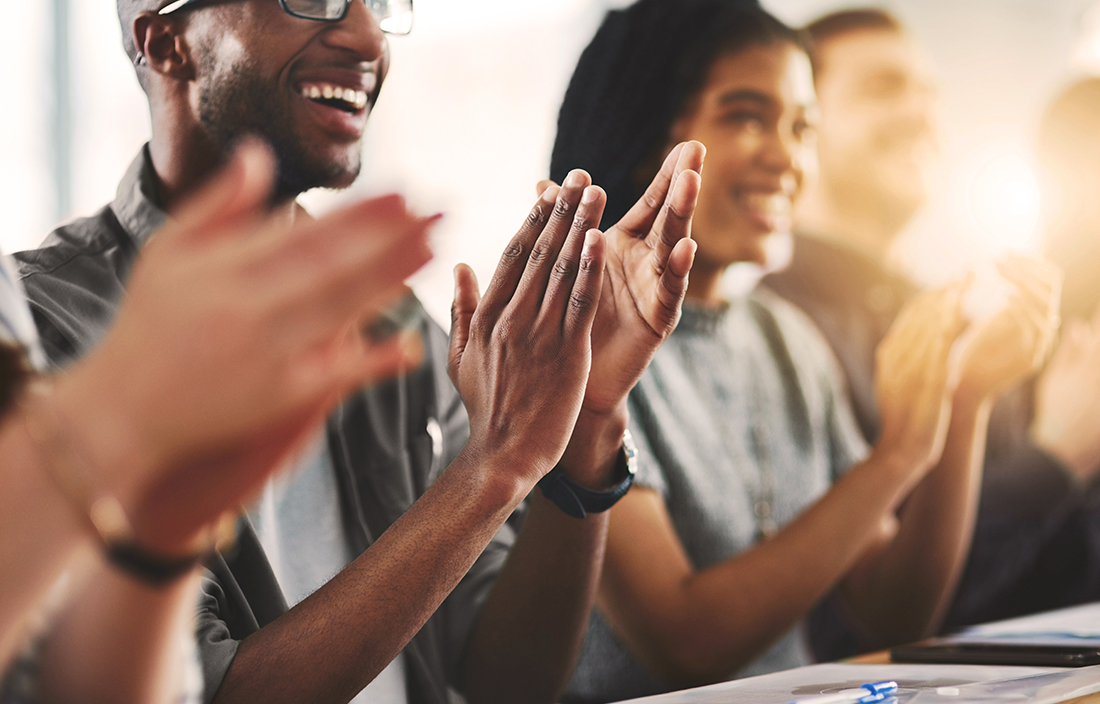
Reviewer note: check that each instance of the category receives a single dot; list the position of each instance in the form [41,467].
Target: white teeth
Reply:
[774,204]
[317,91]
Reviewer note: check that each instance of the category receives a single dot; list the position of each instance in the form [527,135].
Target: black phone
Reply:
[1035,653]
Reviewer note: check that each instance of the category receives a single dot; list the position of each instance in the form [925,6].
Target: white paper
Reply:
[1077,622]
[1051,688]
[791,685]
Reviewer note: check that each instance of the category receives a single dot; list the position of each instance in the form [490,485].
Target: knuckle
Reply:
[581,301]
[540,252]
[564,269]
[501,333]
[479,326]
[513,251]
[676,213]
[582,223]
[562,207]
[536,217]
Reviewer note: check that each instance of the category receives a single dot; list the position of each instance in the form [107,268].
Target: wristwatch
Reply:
[577,501]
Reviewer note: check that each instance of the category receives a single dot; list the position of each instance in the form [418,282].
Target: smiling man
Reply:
[409,498]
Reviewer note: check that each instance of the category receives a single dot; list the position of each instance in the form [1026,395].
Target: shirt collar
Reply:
[699,319]
[135,203]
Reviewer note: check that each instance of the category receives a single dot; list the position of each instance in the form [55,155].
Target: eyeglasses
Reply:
[394,16]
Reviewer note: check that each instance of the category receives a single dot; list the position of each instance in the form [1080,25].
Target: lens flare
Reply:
[1004,200]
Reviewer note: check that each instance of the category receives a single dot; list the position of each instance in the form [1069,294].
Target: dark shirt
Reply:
[1037,541]
[382,450]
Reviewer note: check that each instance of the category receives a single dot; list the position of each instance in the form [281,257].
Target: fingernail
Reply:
[590,195]
[575,179]
[590,238]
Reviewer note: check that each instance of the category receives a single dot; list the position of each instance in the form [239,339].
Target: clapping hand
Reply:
[649,257]
[1015,342]
[238,335]
[520,355]
[913,377]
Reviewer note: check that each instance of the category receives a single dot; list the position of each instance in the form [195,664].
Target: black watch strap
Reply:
[149,567]
[577,501]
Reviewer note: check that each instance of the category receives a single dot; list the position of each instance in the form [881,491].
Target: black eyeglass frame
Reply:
[180,4]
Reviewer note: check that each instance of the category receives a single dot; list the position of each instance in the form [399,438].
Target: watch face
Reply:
[631,452]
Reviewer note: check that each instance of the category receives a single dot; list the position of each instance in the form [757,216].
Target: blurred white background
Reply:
[466,120]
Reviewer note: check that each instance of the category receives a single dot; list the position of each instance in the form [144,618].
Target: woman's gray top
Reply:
[742,422]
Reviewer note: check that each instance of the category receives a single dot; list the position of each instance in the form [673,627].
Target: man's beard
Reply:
[236,104]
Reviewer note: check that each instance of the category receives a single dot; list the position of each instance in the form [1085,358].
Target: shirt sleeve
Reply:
[649,473]
[215,645]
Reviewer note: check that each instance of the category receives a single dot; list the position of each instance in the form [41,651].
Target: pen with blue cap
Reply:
[865,694]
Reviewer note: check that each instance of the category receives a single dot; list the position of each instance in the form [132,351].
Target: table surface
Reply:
[883,658]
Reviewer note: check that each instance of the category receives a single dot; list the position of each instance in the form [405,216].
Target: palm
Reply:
[631,323]
[1004,352]
[1015,342]
[645,279]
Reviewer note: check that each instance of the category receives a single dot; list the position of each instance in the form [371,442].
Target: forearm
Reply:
[903,592]
[529,632]
[528,635]
[41,533]
[697,627]
[330,646]
[145,627]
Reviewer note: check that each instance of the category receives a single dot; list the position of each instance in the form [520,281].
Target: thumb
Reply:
[467,297]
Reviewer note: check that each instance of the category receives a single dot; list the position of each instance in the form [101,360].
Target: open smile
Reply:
[770,212]
[348,99]
[339,102]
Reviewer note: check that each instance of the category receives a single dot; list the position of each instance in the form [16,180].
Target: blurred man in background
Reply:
[877,140]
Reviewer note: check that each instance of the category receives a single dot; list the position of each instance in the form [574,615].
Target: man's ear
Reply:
[162,46]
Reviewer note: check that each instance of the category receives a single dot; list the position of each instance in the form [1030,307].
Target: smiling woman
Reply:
[756,496]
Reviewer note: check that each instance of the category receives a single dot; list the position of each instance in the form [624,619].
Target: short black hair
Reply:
[128,10]
[835,24]
[639,74]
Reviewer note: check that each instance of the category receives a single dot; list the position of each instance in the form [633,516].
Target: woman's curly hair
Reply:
[639,74]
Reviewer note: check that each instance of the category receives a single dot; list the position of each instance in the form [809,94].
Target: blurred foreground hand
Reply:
[238,335]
